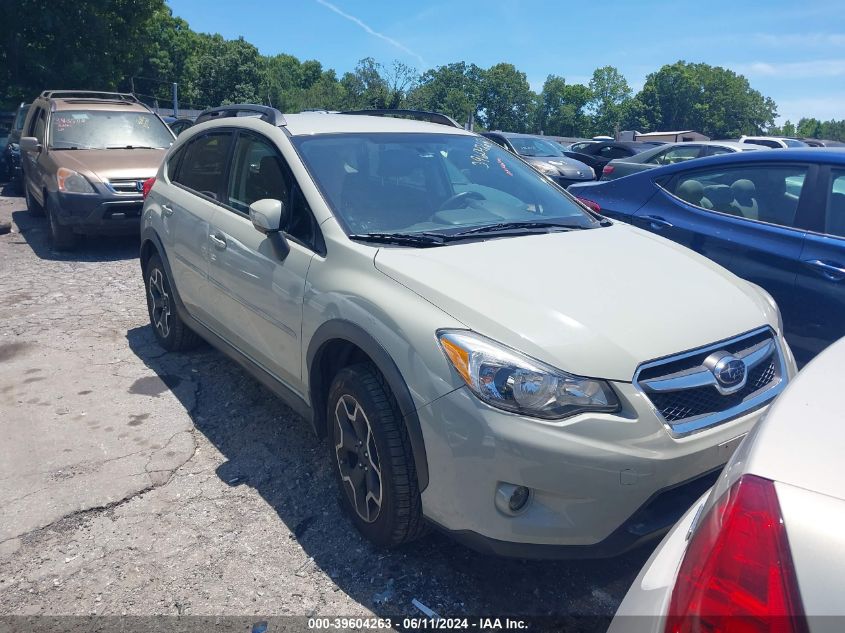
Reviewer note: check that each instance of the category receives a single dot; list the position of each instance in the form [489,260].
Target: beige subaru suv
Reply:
[85,157]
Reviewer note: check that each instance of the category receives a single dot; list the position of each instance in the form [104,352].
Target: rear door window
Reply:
[203,167]
[676,155]
[834,222]
[766,193]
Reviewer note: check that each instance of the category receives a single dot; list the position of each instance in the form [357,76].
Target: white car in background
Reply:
[767,540]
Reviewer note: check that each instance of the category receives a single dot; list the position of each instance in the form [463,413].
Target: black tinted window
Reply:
[39,126]
[835,216]
[203,166]
[259,171]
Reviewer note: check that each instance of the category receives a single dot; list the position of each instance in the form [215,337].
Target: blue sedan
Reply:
[774,218]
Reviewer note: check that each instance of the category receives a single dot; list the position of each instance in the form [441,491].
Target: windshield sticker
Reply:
[504,167]
[479,153]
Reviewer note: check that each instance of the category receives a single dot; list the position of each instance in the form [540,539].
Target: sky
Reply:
[791,51]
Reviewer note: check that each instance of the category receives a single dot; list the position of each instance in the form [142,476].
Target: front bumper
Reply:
[102,213]
[601,483]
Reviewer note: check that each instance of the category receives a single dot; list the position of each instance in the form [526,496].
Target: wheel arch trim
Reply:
[342,330]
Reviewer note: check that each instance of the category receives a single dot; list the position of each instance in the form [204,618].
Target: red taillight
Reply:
[607,169]
[737,574]
[148,184]
[592,206]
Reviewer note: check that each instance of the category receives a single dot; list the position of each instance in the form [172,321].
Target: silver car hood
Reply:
[595,303]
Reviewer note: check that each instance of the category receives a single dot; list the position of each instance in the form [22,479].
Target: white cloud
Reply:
[793,70]
[372,31]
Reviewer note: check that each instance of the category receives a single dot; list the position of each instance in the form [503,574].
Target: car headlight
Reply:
[509,380]
[546,168]
[72,181]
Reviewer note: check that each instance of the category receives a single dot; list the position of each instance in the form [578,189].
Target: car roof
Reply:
[306,123]
[59,105]
[834,155]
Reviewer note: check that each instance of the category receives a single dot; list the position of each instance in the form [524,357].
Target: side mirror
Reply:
[268,216]
[30,144]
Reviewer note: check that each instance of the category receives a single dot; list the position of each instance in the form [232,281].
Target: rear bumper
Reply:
[98,213]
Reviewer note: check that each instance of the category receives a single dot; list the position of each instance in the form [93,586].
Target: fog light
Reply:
[519,497]
[512,499]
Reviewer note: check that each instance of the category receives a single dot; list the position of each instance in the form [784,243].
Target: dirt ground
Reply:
[134,481]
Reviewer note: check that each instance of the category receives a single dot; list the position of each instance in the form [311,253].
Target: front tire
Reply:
[372,457]
[170,331]
[62,237]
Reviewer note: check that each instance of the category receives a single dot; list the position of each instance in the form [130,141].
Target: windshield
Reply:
[793,143]
[432,183]
[107,129]
[526,146]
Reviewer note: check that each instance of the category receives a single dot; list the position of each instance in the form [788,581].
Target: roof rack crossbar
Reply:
[422,115]
[89,94]
[266,113]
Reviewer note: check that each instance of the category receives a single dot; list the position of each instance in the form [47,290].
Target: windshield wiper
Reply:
[132,147]
[513,226]
[420,240]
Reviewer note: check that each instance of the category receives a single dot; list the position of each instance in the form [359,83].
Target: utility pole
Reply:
[175,100]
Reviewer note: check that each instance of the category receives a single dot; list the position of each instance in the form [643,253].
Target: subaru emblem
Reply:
[730,373]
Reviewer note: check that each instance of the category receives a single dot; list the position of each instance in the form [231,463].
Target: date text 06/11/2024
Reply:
[418,624]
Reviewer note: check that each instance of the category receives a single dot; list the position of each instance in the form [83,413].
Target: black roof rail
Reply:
[89,94]
[421,115]
[266,113]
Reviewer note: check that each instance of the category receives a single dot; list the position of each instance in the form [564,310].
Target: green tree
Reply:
[225,71]
[454,89]
[561,108]
[506,100]
[90,44]
[809,128]
[710,99]
[611,95]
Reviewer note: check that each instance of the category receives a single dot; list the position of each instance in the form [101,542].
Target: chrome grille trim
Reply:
[126,185]
[765,380]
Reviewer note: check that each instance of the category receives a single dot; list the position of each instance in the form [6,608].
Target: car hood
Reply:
[595,303]
[111,164]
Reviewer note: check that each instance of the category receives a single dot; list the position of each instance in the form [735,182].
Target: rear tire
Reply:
[62,238]
[372,458]
[35,209]
[170,331]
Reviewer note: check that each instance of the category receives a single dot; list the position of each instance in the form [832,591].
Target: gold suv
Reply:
[85,158]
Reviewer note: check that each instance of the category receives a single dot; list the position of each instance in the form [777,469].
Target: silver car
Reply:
[765,546]
[669,154]
[483,354]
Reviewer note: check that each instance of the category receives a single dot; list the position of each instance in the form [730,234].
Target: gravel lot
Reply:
[138,482]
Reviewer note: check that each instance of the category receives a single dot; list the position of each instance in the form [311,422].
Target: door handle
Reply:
[657,223]
[830,271]
[218,240]
[167,210]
